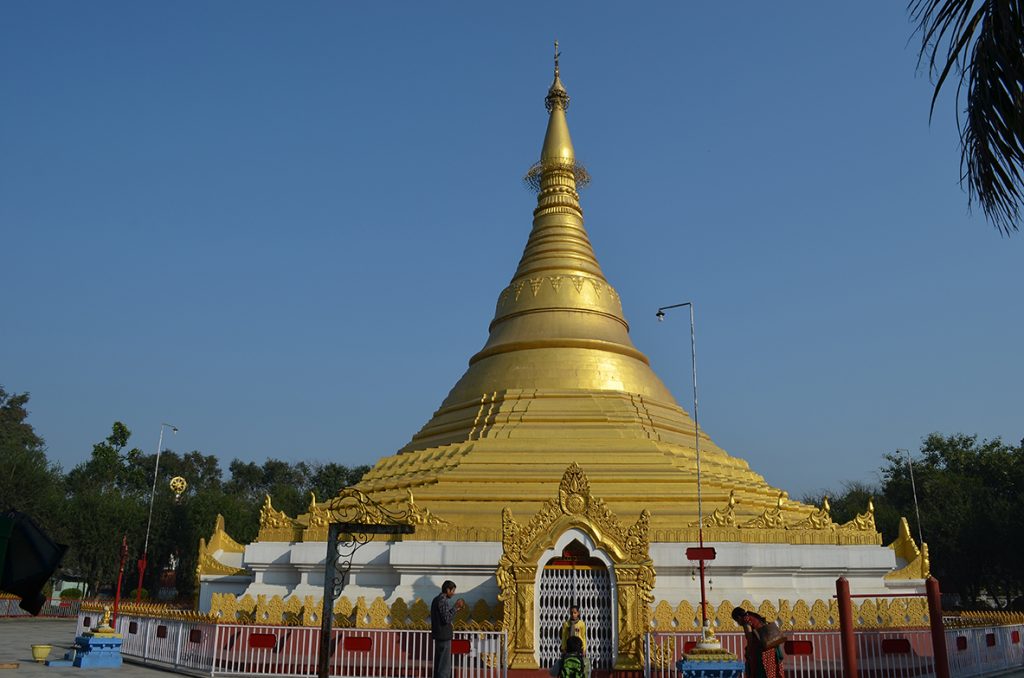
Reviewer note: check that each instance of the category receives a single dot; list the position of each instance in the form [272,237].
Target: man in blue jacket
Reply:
[442,612]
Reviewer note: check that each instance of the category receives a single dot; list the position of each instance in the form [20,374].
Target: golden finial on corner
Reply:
[557,54]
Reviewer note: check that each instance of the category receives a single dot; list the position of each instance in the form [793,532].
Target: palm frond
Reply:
[982,42]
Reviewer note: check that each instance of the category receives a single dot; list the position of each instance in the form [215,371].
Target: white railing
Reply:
[893,652]
[880,653]
[234,650]
[53,607]
[984,650]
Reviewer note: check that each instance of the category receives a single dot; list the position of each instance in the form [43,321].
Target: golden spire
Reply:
[558,306]
[559,381]
[557,151]
[557,96]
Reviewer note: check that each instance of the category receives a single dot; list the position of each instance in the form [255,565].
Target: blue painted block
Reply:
[710,669]
[97,652]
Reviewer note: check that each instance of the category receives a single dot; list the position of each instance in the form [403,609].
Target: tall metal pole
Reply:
[334,582]
[696,443]
[696,424]
[343,540]
[913,489]
[152,495]
[120,575]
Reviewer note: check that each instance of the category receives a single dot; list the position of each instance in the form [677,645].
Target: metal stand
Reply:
[343,540]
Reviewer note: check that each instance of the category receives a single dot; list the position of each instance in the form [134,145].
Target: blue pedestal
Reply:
[703,668]
[97,651]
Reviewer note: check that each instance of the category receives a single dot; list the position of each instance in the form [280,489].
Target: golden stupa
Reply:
[559,452]
[559,381]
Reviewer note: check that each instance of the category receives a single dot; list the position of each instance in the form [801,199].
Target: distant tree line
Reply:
[968,492]
[91,506]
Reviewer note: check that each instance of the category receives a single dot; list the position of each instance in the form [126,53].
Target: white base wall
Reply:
[774,572]
[416,569]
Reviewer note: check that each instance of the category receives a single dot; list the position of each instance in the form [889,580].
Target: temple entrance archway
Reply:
[624,551]
[574,574]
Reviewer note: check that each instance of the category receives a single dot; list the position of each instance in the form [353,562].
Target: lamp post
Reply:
[913,489]
[701,554]
[152,495]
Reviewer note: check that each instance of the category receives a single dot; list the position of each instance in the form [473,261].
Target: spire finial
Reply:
[557,97]
[557,154]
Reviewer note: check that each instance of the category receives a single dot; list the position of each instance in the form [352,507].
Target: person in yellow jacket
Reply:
[574,626]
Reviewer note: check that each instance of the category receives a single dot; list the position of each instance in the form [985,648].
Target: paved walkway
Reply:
[17,636]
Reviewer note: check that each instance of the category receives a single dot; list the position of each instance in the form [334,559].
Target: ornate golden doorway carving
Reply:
[627,548]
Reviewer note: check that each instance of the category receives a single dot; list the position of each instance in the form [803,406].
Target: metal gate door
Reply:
[583,582]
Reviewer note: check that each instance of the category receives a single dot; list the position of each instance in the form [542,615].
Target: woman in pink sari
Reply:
[761,662]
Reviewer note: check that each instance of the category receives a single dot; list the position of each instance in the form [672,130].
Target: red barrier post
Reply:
[938,629]
[848,641]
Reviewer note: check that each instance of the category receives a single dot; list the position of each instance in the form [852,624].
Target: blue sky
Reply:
[283,226]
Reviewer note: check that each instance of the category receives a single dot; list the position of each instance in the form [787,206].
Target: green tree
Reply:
[968,492]
[286,484]
[326,480]
[853,499]
[981,43]
[28,481]
[106,498]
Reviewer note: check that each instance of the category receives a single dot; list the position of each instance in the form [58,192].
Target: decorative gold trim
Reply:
[421,516]
[722,517]
[967,618]
[353,506]
[276,525]
[863,522]
[818,520]
[683,617]
[376,614]
[208,565]
[628,548]
[536,173]
[782,535]
[156,610]
[799,615]
[220,540]
[918,565]
[317,521]
[771,518]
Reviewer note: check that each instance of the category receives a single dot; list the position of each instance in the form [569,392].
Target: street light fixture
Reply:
[152,495]
[701,554]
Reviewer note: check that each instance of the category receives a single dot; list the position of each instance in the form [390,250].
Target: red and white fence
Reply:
[54,607]
[984,650]
[880,653]
[234,650]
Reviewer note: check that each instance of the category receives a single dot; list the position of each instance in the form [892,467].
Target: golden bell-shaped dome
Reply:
[559,380]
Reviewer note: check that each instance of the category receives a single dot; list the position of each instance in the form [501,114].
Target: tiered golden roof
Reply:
[560,381]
